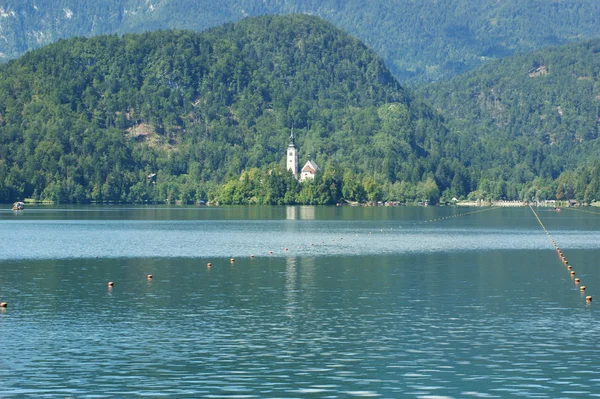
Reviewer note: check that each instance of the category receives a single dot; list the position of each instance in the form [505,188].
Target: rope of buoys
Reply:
[582,288]
[437,219]
[454,216]
[562,257]
[583,210]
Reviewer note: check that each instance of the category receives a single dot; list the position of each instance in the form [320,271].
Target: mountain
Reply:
[88,119]
[533,115]
[420,41]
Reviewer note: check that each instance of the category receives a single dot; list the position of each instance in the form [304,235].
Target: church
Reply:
[310,168]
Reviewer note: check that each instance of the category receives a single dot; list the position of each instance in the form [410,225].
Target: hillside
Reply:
[533,115]
[90,119]
[420,41]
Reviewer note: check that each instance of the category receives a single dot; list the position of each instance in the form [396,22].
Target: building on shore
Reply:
[310,168]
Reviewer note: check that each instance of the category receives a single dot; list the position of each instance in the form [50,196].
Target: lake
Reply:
[336,302]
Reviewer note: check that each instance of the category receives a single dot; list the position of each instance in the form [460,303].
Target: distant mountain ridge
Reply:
[420,41]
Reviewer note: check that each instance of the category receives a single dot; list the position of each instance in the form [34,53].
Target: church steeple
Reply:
[292,156]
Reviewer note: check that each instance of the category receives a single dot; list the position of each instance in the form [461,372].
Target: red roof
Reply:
[310,167]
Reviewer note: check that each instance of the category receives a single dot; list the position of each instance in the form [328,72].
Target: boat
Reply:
[18,206]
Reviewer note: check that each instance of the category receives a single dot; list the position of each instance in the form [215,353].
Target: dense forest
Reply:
[180,116]
[90,119]
[420,41]
[534,114]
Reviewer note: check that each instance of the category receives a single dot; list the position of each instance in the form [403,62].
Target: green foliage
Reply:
[90,119]
[93,119]
[528,116]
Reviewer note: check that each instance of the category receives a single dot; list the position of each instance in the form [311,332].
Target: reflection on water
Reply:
[306,212]
[477,307]
[291,213]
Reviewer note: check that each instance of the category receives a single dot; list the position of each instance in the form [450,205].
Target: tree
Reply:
[428,191]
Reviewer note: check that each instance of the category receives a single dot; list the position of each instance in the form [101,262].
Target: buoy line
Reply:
[583,210]
[149,277]
[287,250]
[562,257]
[454,216]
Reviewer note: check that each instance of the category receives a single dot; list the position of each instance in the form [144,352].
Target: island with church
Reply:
[310,168]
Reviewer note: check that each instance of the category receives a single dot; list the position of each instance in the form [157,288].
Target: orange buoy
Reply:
[111,284]
[582,288]
[588,298]
[208,264]
[3,305]
[149,277]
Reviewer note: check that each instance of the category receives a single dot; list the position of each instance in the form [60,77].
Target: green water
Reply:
[386,302]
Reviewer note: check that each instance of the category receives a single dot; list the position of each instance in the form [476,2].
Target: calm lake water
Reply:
[365,302]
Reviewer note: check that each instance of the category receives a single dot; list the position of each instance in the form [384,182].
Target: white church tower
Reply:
[292,156]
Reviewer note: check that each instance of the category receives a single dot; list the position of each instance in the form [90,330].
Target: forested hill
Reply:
[535,115]
[90,119]
[420,41]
